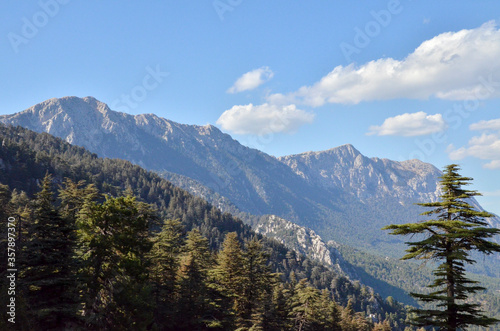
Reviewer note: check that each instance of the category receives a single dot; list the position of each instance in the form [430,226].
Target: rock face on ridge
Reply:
[339,194]
[346,168]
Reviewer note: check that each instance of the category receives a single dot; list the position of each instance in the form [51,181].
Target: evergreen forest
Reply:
[102,244]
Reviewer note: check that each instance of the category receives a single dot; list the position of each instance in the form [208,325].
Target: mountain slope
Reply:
[25,157]
[203,153]
[346,168]
[340,194]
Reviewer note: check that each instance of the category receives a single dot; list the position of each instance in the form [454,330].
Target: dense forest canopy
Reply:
[119,232]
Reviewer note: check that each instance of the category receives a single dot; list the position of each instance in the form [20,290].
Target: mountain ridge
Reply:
[340,194]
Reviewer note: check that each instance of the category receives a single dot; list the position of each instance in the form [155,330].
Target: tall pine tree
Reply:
[194,309]
[164,256]
[306,307]
[228,276]
[113,243]
[449,238]
[257,281]
[47,276]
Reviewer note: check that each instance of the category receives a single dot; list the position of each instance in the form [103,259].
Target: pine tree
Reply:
[47,276]
[330,312]
[277,308]
[305,306]
[228,278]
[73,196]
[164,257]
[348,317]
[194,309]
[256,282]
[457,230]
[14,205]
[382,326]
[113,238]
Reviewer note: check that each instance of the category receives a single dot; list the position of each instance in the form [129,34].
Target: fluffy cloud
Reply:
[495,164]
[408,125]
[263,119]
[251,80]
[454,65]
[486,125]
[484,147]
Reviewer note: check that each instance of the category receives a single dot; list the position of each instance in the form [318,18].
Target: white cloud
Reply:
[408,125]
[453,65]
[456,154]
[495,164]
[484,147]
[263,119]
[486,125]
[251,80]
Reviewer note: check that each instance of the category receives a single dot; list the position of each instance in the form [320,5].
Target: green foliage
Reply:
[392,277]
[48,278]
[192,280]
[305,306]
[448,240]
[113,243]
[164,257]
[132,271]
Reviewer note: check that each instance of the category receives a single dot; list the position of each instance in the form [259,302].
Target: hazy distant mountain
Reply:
[340,194]
[347,169]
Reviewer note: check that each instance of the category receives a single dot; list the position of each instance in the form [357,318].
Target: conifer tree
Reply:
[21,207]
[47,276]
[192,278]
[382,326]
[330,312]
[278,311]
[456,230]
[17,205]
[352,321]
[305,306]
[164,257]
[113,238]
[73,196]
[256,282]
[228,276]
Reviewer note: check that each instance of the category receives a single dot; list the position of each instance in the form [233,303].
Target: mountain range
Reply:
[340,194]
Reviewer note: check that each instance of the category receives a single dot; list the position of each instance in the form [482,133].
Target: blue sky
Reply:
[397,79]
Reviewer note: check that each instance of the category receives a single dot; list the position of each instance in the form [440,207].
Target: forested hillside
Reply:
[339,193]
[117,252]
[389,276]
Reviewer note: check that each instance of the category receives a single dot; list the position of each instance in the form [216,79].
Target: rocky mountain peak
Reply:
[337,192]
[346,150]
[57,115]
[345,168]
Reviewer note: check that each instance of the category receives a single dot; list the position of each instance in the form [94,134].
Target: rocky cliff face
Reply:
[339,193]
[303,240]
[347,169]
[253,180]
